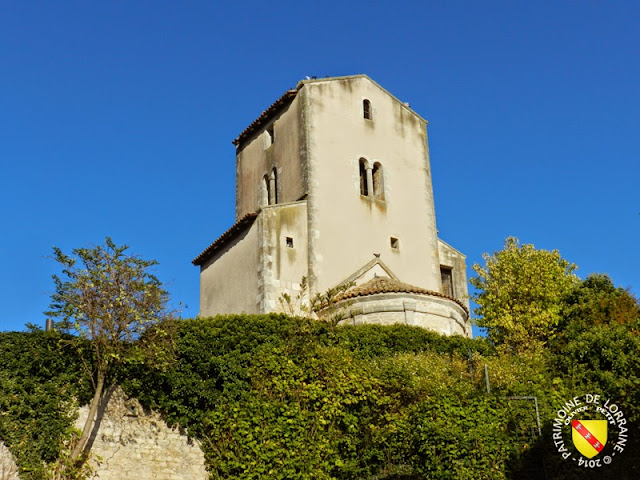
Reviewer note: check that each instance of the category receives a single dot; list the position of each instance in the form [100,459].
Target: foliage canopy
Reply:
[271,396]
[41,385]
[520,294]
[105,299]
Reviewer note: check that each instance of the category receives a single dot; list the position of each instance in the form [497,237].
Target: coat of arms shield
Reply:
[589,436]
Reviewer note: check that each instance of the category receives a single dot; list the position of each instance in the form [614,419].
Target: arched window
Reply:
[273,187]
[378,182]
[366,109]
[265,191]
[364,184]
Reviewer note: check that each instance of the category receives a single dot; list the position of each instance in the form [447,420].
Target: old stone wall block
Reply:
[130,443]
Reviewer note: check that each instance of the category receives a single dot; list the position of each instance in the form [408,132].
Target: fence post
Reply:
[486,377]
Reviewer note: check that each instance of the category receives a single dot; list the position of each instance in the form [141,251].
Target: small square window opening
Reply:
[395,243]
[290,242]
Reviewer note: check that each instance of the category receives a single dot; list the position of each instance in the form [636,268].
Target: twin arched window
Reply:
[265,191]
[371,179]
[364,184]
[269,191]
[376,174]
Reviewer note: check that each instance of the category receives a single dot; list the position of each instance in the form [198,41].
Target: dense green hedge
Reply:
[40,385]
[278,397]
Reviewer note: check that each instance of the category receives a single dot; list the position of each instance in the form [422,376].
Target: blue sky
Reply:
[116,118]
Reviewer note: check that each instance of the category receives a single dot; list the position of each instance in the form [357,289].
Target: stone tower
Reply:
[333,183]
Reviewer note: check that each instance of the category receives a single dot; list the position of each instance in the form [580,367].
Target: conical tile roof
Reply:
[379,285]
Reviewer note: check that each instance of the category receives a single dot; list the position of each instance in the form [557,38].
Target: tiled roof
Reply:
[266,116]
[388,285]
[288,96]
[223,239]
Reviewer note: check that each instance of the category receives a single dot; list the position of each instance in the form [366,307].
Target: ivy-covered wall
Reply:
[41,385]
[278,397]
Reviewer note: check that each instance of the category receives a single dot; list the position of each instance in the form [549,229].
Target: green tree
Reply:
[111,299]
[597,301]
[520,294]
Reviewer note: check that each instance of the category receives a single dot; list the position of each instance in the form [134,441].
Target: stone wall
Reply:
[229,279]
[131,443]
[430,312]
[8,467]
[452,258]
[283,253]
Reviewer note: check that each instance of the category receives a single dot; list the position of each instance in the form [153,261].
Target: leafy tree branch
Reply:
[110,298]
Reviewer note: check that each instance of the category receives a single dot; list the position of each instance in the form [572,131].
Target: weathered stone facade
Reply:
[334,173]
[129,443]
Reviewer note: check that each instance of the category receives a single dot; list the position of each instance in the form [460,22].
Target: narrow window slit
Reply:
[271,133]
[366,109]
[364,184]
[446,276]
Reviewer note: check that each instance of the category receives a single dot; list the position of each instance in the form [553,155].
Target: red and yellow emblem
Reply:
[589,436]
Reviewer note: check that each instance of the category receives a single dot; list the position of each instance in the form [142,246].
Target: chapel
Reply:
[333,184]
